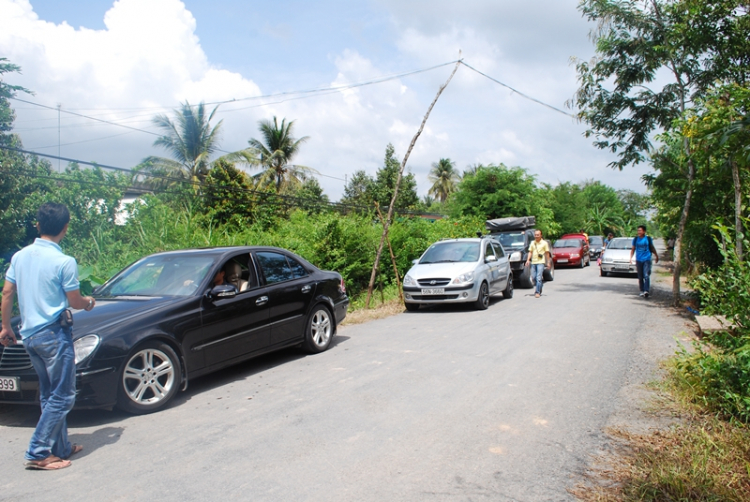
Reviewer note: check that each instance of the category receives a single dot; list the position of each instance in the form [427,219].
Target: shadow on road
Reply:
[25,416]
[95,440]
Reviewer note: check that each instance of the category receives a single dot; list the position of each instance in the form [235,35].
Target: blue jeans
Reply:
[53,357]
[537,275]
[644,275]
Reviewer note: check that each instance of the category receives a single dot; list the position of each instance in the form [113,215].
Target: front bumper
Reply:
[569,263]
[456,294]
[619,268]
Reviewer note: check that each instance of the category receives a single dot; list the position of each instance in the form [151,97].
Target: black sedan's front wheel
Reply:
[149,379]
[319,330]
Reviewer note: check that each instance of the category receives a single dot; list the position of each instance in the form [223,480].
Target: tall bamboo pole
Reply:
[387,223]
[393,257]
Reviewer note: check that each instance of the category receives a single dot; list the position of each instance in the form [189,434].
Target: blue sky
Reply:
[149,55]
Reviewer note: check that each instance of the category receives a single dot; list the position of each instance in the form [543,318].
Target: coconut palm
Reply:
[274,154]
[191,140]
[444,179]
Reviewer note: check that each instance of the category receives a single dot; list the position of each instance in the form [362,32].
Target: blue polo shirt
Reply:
[42,275]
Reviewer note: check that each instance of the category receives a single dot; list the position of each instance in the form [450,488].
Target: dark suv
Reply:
[516,234]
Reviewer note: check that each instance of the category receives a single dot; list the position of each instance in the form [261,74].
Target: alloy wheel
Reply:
[320,327]
[148,377]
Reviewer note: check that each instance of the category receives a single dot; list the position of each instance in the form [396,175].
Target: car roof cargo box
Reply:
[512,223]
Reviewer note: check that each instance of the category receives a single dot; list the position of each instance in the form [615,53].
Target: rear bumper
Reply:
[340,309]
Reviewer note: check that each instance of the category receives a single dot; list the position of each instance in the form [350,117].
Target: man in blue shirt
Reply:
[643,248]
[46,281]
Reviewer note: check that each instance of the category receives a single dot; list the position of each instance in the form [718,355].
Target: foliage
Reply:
[359,190]
[190,139]
[718,370]
[444,178]
[500,191]
[274,154]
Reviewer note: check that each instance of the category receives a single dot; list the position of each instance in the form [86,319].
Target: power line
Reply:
[519,92]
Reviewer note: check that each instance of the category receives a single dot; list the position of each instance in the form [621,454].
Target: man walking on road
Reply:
[643,248]
[538,258]
[46,281]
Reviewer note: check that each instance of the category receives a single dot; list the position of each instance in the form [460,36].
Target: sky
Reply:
[128,60]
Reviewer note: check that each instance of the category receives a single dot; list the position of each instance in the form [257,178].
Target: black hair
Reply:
[52,218]
[642,227]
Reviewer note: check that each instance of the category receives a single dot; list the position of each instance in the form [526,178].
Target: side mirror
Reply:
[490,258]
[222,292]
[414,262]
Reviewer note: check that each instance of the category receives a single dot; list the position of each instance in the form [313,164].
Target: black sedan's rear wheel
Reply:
[149,379]
[319,330]
[483,300]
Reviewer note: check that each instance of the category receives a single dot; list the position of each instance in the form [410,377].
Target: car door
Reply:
[235,327]
[503,265]
[291,288]
[492,265]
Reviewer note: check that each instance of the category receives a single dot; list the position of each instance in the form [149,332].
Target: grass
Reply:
[703,458]
[381,306]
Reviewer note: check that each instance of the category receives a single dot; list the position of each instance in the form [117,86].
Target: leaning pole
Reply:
[387,222]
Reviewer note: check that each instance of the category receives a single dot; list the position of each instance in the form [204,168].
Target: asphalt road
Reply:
[442,404]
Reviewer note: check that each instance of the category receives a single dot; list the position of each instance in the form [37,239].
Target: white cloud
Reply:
[149,56]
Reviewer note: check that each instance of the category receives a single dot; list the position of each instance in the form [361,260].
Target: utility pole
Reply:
[59,106]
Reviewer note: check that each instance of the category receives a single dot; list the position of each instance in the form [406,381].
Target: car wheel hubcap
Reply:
[148,377]
[320,327]
[485,296]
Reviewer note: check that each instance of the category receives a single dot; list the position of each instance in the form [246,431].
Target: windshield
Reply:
[514,240]
[159,276]
[450,252]
[620,244]
[567,243]
[596,241]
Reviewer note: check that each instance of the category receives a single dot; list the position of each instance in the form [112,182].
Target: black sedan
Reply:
[174,316]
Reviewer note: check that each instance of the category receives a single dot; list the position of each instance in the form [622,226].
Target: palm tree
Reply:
[444,178]
[274,154]
[190,139]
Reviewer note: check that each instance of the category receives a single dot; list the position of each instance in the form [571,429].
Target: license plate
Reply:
[9,384]
[622,267]
[562,260]
[434,291]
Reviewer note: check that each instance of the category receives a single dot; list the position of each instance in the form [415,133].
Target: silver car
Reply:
[459,271]
[616,257]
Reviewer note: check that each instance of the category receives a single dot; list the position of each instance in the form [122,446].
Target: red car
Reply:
[573,251]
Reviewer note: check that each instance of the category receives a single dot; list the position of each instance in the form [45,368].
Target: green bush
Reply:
[718,371]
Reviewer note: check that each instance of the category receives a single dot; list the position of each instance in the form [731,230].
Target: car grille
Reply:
[14,358]
[434,297]
[433,283]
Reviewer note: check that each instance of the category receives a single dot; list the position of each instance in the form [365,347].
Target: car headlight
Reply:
[409,281]
[608,260]
[84,346]
[575,255]
[464,278]
[515,256]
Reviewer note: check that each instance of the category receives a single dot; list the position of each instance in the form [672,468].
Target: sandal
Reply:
[51,463]
[75,449]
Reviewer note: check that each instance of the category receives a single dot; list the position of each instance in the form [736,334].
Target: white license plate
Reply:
[622,267]
[562,260]
[9,384]
[434,291]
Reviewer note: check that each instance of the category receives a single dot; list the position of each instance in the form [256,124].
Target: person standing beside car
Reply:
[643,248]
[539,257]
[46,281]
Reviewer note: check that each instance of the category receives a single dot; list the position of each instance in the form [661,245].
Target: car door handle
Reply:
[262,300]
[306,289]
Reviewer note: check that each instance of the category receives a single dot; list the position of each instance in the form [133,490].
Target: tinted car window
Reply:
[297,269]
[568,243]
[499,250]
[511,240]
[275,267]
[596,241]
[159,276]
[488,251]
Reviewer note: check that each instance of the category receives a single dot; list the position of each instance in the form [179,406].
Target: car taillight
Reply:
[342,287]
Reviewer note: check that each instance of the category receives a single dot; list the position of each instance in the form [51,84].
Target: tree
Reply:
[359,190]
[190,139]
[274,154]
[385,183]
[310,196]
[228,193]
[500,191]
[444,179]
[695,42]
